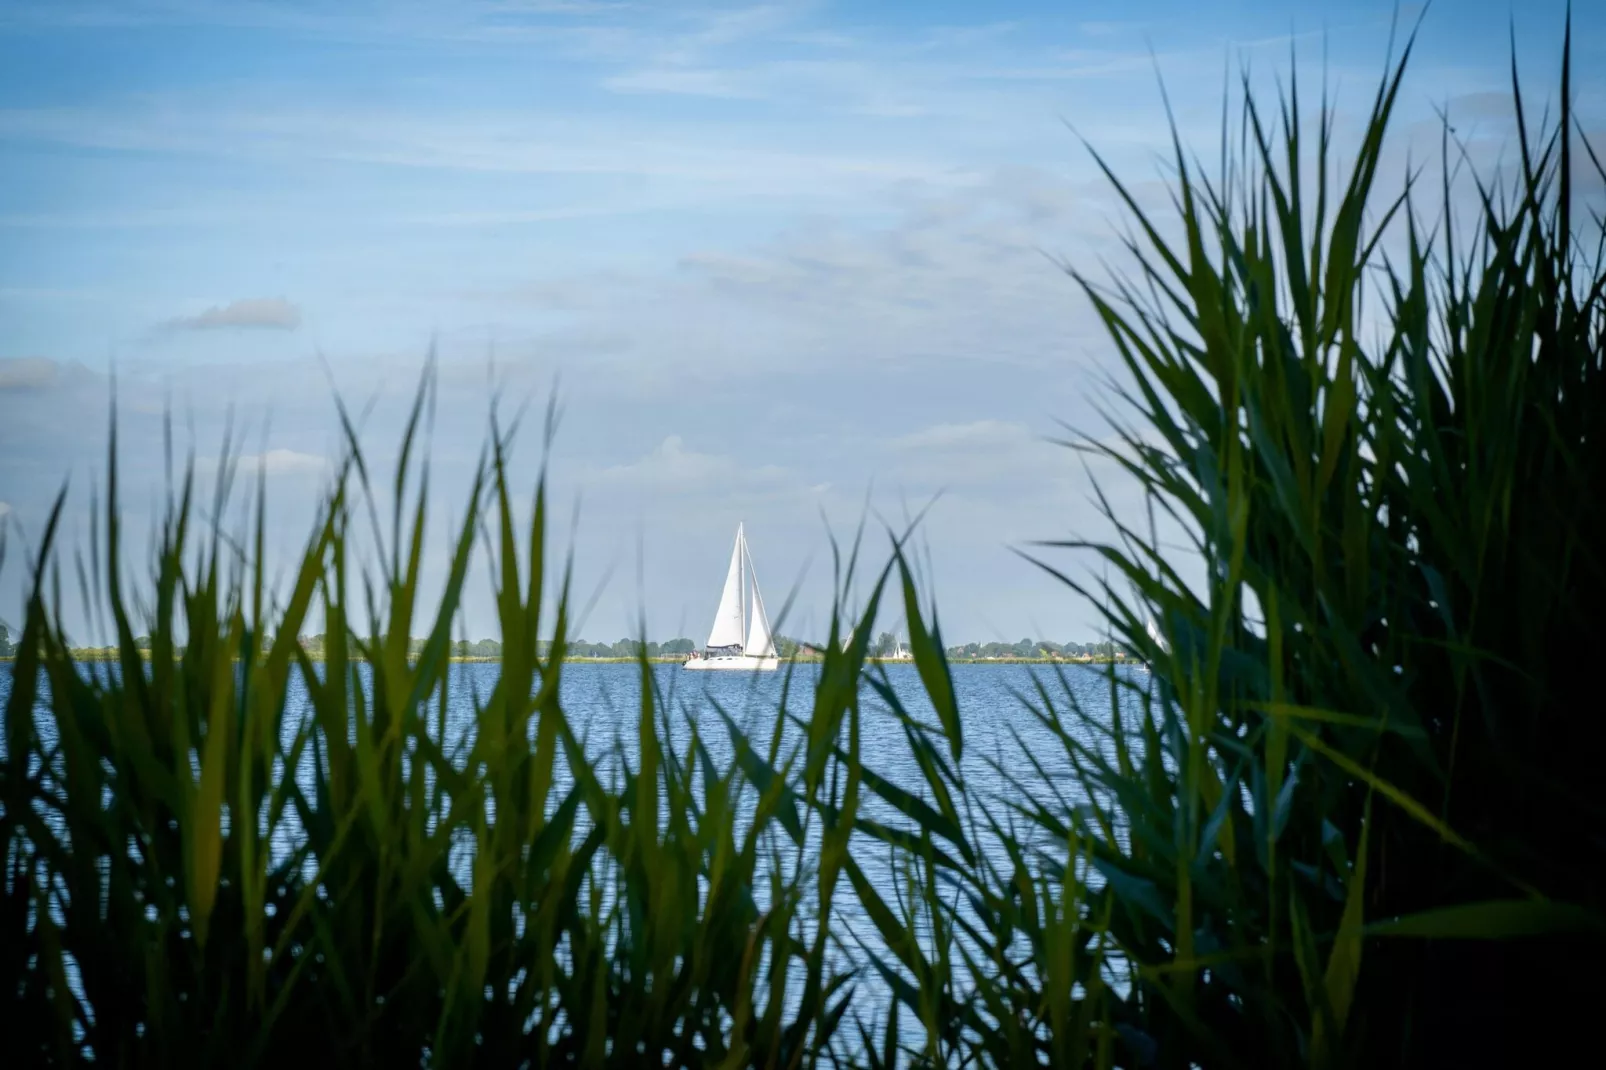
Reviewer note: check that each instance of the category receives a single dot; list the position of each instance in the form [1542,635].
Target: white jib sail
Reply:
[1159,640]
[760,644]
[727,630]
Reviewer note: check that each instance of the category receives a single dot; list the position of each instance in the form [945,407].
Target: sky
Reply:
[788,264]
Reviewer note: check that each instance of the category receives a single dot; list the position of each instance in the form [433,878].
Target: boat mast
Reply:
[741,545]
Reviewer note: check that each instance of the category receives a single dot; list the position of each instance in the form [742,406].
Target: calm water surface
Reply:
[602,702]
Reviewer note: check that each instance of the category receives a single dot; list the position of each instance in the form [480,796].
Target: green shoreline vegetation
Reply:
[629,651]
[1351,818]
[674,651]
[112,654]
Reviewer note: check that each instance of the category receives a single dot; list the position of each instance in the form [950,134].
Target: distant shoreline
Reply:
[103,655]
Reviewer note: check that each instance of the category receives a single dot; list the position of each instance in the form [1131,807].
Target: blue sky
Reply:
[779,256]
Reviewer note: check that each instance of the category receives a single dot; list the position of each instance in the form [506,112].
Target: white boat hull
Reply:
[734,663]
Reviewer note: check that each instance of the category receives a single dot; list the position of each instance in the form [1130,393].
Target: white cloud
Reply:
[274,462]
[286,462]
[482,141]
[979,434]
[27,373]
[685,81]
[674,468]
[964,275]
[1001,461]
[267,313]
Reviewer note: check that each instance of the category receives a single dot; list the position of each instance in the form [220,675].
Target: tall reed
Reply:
[223,852]
[1360,822]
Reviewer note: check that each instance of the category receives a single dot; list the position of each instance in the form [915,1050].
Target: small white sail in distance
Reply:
[1159,640]
[730,621]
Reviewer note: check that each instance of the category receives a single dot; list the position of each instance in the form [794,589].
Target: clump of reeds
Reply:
[225,852]
[1360,823]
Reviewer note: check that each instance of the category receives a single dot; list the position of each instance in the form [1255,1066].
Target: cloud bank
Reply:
[261,313]
[26,373]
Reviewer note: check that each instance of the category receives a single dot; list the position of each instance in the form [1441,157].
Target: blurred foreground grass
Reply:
[1352,819]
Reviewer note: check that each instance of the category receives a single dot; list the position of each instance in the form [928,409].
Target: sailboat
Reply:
[899,652]
[741,637]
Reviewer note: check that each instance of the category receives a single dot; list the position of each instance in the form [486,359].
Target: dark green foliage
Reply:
[1361,822]
[201,870]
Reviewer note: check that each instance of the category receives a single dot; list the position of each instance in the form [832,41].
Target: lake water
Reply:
[602,703]
[1000,731]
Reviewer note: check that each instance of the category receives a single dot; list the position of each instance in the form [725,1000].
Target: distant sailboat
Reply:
[1159,641]
[741,637]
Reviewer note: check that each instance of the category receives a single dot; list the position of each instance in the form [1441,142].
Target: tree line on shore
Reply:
[886,645]
[1040,648]
[491,649]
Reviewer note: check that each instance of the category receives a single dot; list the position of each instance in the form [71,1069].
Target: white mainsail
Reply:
[729,620]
